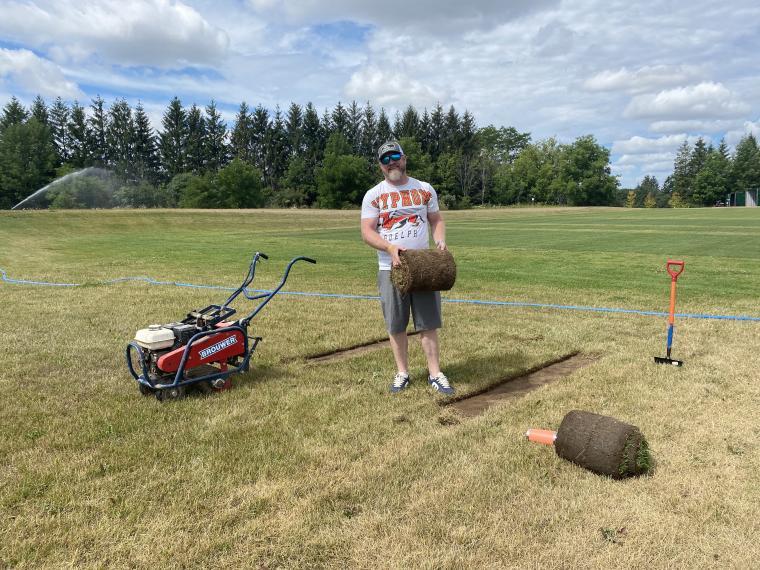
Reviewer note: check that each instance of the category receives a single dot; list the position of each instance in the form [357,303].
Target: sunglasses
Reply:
[386,160]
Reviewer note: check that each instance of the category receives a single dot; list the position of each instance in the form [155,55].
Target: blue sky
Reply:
[642,77]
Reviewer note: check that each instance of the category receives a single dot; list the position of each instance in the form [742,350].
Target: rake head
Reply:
[667,360]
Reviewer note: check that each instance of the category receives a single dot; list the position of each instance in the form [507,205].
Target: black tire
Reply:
[174,393]
[145,390]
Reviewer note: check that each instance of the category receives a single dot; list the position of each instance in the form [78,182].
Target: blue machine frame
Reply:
[216,314]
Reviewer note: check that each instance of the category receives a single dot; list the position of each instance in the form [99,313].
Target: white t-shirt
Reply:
[401,213]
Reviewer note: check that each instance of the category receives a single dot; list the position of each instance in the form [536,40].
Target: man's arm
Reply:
[439,229]
[372,238]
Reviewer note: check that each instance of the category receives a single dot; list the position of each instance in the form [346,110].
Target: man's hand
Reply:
[393,251]
[440,244]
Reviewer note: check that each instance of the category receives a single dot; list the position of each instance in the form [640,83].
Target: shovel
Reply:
[675,268]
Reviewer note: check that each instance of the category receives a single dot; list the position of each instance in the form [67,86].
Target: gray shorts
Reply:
[425,306]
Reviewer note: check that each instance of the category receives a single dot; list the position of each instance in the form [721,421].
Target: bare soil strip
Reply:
[516,386]
[353,350]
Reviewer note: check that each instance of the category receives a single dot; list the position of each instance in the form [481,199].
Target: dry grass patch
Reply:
[318,465]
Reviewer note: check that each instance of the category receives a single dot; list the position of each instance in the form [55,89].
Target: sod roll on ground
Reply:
[603,445]
[424,270]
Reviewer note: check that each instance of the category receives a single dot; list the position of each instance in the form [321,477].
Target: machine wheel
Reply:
[221,384]
[205,387]
[145,390]
[174,393]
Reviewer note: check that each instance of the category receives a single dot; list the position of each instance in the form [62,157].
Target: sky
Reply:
[641,77]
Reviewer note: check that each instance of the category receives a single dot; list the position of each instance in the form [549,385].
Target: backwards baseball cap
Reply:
[390,146]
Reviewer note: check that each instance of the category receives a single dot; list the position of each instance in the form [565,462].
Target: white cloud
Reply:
[554,39]
[390,88]
[445,16]
[35,75]
[643,79]
[693,126]
[644,145]
[707,100]
[646,158]
[750,127]
[161,33]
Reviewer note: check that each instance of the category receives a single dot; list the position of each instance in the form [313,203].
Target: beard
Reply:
[396,174]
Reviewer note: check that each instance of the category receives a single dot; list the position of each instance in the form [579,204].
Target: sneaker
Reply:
[400,382]
[441,384]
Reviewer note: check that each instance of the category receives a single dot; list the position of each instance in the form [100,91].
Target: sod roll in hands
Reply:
[424,270]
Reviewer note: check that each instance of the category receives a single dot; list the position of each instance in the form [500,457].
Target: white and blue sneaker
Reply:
[441,384]
[400,382]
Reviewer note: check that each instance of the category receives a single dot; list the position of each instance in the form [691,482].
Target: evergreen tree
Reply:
[215,150]
[396,125]
[120,139]
[437,141]
[259,127]
[313,137]
[27,160]
[451,131]
[746,167]
[276,159]
[410,124]
[696,162]
[681,177]
[340,122]
[355,120]
[294,130]
[97,123]
[13,114]
[711,182]
[173,139]
[39,110]
[146,161]
[384,132]
[425,131]
[59,128]
[195,148]
[327,127]
[646,187]
[370,139]
[240,140]
[79,137]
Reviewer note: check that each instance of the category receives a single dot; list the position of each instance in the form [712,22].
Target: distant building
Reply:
[745,198]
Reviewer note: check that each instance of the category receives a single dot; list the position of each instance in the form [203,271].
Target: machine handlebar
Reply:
[268,297]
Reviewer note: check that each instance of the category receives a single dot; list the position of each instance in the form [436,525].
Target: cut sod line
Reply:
[515,386]
[352,350]
[746,318]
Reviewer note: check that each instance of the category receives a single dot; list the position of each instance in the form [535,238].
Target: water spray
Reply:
[69,176]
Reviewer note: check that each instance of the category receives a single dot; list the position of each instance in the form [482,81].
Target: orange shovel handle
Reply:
[543,436]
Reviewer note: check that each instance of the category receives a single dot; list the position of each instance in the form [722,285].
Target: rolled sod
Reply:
[424,270]
[603,445]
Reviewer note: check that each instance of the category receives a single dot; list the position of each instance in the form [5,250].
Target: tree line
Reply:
[703,175]
[298,157]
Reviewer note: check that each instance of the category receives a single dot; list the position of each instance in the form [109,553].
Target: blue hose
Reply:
[4,277]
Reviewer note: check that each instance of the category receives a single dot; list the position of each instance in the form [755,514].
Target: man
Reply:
[395,216]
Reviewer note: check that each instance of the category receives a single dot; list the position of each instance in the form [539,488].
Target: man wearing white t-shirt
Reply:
[395,216]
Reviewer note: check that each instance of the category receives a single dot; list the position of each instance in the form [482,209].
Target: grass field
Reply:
[306,465]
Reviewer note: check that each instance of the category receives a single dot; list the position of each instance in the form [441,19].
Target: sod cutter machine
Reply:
[203,350]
